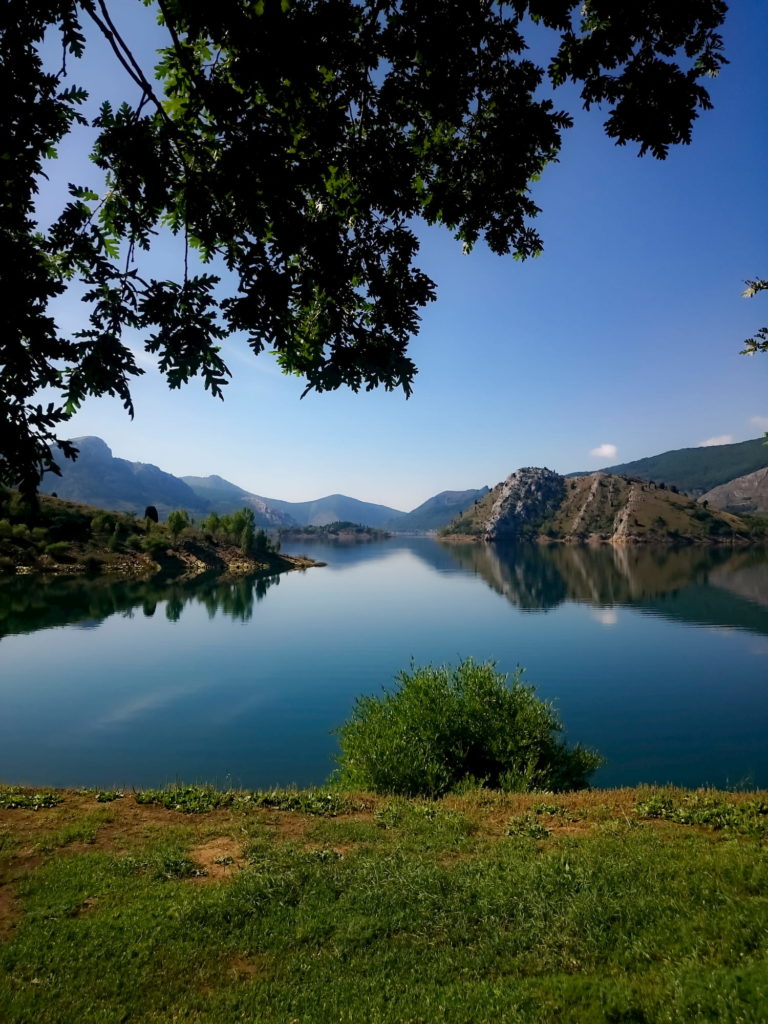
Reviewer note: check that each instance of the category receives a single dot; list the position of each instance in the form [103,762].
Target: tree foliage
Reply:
[759,342]
[239,528]
[440,727]
[178,520]
[295,143]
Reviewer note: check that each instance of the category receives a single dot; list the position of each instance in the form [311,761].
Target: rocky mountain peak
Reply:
[526,498]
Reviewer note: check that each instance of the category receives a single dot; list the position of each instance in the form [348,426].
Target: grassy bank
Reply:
[632,905]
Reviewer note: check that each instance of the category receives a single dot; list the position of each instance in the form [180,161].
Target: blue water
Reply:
[657,659]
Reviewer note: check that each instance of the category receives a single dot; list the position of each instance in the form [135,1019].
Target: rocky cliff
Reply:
[523,502]
[747,495]
[537,504]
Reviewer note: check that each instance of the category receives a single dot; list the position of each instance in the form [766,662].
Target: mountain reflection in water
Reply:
[707,586]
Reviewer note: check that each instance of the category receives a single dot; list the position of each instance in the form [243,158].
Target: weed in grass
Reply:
[105,796]
[187,799]
[747,817]
[165,860]
[8,844]
[428,824]
[321,802]
[325,856]
[344,833]
[172,861]
[83,830]
[201,799]
[527,825]
[556,810]
[13,797]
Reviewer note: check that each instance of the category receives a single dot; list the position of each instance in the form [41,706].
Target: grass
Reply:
[633,906]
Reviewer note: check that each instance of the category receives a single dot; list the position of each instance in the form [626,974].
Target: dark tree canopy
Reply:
[297,141]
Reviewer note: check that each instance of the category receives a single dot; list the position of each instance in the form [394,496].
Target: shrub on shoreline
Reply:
[443,727]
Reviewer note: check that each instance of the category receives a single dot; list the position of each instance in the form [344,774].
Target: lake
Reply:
[658,658]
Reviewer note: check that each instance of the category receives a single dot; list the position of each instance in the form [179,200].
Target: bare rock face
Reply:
[746,495]
[525,500]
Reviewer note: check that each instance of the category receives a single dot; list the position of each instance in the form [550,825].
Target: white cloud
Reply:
[605,451]
[761,422]
[711,442]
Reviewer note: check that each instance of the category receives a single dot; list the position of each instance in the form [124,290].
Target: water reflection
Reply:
[712,586]
[28,604]
[706,586]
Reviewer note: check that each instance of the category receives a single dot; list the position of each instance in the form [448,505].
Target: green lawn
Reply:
[613,906]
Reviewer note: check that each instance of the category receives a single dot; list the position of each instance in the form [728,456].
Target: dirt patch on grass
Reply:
[288,826]
[248,967]
[10,910]
[219,858]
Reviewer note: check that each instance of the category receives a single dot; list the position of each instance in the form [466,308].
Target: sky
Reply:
[620,341]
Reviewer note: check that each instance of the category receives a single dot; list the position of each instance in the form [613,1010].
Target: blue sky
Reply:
[624,334]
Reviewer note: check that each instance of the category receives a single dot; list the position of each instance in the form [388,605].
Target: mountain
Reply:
[536,504]
[696,470]
[746,495]
[335,508]
[98,478]
[435,512]
[224,497]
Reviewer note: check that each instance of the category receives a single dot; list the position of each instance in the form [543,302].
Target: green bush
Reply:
[440,727]
[58,549]
[154,546]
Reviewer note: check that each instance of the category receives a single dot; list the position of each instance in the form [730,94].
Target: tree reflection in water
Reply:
[28,604]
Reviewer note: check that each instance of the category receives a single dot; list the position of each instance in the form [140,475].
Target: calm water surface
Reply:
[657,658]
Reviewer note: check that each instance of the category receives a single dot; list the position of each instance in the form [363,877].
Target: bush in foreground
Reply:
[442,727]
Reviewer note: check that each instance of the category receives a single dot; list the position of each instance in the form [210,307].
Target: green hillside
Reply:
[436,511]
[696,470]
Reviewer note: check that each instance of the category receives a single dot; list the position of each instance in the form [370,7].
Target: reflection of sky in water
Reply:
[606,616]
[223,696]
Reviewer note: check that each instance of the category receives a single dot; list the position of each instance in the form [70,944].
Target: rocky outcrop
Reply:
[746,495]
[523,502]
[539,505]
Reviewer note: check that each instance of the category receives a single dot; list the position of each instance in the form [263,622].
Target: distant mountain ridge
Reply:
[336,508]
[98,478]
[435,512]
[730,477]
[696,470]
[225,497]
